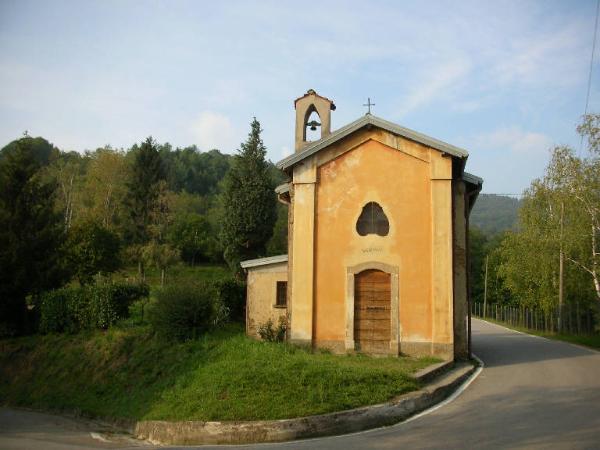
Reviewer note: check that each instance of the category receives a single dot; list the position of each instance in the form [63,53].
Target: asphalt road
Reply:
[532,393]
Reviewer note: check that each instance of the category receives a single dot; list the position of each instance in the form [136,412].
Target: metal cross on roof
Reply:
[369,104]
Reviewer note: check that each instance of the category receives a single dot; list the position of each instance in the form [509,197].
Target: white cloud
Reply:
[432,85]
[214,130]
[554,58]
[513,139]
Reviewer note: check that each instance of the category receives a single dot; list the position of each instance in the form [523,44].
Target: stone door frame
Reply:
[394,303]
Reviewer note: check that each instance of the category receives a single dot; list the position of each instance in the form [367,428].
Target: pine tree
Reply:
[31,235]
[143,187]
[249,204]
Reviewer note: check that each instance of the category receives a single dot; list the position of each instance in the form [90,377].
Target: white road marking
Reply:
[98,437]
[453,397]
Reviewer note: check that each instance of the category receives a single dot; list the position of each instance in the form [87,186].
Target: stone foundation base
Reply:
[301,342]
[337,347]
[444,351]
[417,349]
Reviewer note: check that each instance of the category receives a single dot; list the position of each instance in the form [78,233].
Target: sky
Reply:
[506,80]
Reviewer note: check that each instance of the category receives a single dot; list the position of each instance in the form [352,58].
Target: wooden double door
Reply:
[372,311]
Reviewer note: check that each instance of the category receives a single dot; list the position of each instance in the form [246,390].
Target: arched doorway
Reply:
[372,311]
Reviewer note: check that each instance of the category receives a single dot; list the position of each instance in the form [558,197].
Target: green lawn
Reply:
[587,340]
[128,373]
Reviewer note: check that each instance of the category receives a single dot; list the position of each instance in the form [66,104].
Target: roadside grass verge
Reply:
[127,373]
[587,340]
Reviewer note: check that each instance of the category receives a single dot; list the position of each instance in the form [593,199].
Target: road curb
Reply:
[353,420]
[427,374]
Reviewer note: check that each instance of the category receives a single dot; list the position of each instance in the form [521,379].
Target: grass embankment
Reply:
[587,340]
[127,373]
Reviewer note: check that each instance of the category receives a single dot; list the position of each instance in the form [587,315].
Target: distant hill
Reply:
[495,213]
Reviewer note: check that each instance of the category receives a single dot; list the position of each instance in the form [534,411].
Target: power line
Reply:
[589,85]
[504,195]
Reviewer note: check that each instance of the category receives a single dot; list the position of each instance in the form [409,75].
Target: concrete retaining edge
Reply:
[353,420]
[430,372]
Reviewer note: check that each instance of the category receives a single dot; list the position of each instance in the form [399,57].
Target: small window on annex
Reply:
[372,220]
[281,299]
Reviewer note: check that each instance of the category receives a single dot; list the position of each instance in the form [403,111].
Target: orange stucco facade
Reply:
[423,197]
[405,199]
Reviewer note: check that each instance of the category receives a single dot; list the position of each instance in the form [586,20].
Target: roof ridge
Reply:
[349,128]
[263,261]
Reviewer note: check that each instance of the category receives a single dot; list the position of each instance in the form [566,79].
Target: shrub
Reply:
[232,294]
[125,294]
[56,311]
[268,333]
[186,311]
[72,309]
[93,249]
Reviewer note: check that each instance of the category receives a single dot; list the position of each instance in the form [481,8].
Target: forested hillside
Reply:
[495,213]
[98,186]
[69,217]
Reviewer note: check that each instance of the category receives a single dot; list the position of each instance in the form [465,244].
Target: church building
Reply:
[377,240]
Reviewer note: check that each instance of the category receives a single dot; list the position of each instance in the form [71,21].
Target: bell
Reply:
[313,125]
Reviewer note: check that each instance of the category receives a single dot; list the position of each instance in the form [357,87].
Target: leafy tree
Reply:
[187,203]
[30,234]
[161,213]
[93,249]
[67,170]
[477,254]
[578,180]
[143,191]
[161,255]
[192,235]
[248,202]
[278,244]
[193,171]
[106,188]
[42,151]
[557,244]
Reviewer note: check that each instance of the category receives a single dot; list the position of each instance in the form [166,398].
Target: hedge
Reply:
[186,311]
[72,309]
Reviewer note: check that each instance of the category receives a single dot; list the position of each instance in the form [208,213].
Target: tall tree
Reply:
[192,235]
[278,244]
[530,256]
[143,188]
[583,185]
[31,234]
[105,187]
[157,251]
[42,151]
[248,202]
[558,242]
[67,171]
